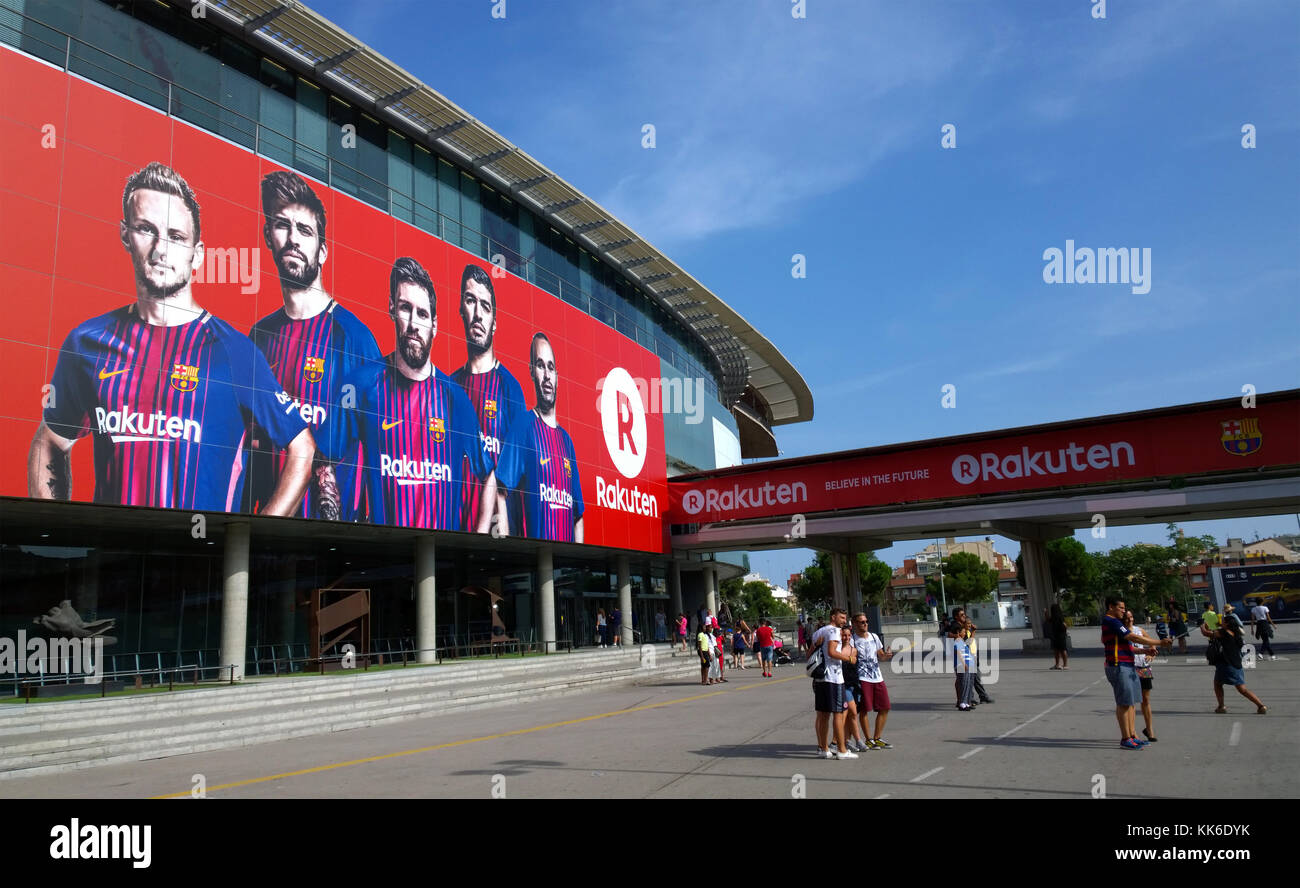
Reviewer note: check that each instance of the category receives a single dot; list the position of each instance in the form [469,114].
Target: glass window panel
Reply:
[342,173]
[310,130]
[449,201]
[372,160]
[401,176]
[425,183]
[527,244]
[471,217]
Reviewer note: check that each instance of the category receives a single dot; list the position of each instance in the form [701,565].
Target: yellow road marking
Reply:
[455,743]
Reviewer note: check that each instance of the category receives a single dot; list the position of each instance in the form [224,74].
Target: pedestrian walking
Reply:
[1142,660]
[602,628]
[681,629]
[766,646]
[1117,640]
[1228,672]
[1262,621]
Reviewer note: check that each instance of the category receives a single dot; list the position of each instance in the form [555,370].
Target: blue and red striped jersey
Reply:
[168,408]
[310,357]
[416,440]
[538,460]
[499,402]
[1114,639]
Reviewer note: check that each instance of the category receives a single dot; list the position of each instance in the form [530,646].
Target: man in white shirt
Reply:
[871,651]
[828,691]
[1262,620]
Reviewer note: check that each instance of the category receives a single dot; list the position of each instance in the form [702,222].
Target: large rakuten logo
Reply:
[769,494]
[128,425]
[622,419]
[625,499]
[408,471]
[967,469]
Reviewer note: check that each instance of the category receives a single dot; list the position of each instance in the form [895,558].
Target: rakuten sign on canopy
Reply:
[1199,439]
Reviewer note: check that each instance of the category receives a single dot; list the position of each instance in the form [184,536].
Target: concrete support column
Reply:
[234,599]
[546,589]
[426,599]
[675,590]
[839,597]
[1038,580]
[855,584]
[711,588]
[625,599]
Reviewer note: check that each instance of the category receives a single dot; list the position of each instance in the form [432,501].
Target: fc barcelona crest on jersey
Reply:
[185,377]
[313,369]
[568,469]
[490,408]
[438,429]
[1241,436]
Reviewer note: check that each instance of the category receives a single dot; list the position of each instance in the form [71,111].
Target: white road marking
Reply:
[929,773]
[883,795]
[1235,737]
[1047,710]
[966,755]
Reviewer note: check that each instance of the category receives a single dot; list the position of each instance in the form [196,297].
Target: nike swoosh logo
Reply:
[545,461]
[104,374]
[388,425]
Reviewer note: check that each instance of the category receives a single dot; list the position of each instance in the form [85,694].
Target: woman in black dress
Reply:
[1057,635]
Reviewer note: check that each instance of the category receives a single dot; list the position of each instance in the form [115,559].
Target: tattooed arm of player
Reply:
[327,489]
[487,504]
[49,466]
[293,480]
[577,531]
[502,517]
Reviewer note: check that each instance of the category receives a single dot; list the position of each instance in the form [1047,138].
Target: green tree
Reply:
[1144,575]
[816,589]
[966,579]
[757,602]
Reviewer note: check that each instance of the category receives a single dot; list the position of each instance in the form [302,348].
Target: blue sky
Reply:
[821,136]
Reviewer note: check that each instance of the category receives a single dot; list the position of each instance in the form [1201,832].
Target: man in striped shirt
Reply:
[1117,640]
[311,343]
[166,389]
[538,458]
[492,389]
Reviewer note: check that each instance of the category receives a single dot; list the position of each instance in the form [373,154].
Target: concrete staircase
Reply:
[45,738]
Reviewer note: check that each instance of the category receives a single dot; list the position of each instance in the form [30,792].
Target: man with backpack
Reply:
[1224,653]
[828,686]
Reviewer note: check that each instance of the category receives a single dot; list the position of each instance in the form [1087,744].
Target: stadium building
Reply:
[301,354]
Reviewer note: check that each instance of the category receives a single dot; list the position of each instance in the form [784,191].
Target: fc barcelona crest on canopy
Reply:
[1241,436]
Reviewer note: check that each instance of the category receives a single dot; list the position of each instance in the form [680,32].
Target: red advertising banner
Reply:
[1198,442]
[193,326]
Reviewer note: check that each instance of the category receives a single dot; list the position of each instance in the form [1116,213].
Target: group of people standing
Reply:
[1130,654]
[848,686]
[710,642]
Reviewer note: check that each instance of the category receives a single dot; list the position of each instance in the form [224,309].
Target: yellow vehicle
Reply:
[1277,596]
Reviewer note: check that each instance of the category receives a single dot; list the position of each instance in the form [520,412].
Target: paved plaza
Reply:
[1049,734]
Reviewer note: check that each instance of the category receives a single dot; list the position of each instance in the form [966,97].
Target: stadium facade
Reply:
[296,343]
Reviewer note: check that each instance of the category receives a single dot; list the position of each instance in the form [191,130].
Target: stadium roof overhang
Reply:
[311,44]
